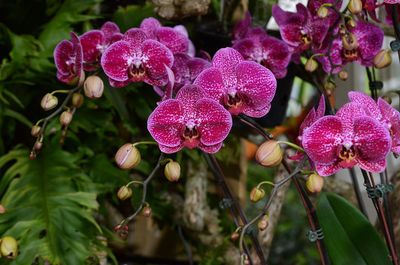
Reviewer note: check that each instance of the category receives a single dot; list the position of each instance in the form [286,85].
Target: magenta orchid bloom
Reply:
[68,59]
[95,42]
[299,30]
[176,39]
[309,120]
[241,86]
[268,51]
[136,58]
[385,114]
[369,38]
[240,30]
[347,139]
[190,120]
[314,5]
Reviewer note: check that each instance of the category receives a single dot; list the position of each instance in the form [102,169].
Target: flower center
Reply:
[347,154]
[350,54]
[190,133]
[137,71]
[233,102]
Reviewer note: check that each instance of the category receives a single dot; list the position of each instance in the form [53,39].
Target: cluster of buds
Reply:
[8,247]
[172,171]
[121,230]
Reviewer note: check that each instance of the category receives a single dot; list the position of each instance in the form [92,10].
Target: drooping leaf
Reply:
[349,236]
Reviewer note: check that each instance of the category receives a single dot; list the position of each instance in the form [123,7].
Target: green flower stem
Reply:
[144,142]
[265,182]
[295,146]
[60,91]
[134,182]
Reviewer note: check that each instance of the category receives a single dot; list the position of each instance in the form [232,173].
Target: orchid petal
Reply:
[327,170]
[367,102]
[226,60]
[150,26]
[210,148]
[210,80]
[157,57]
[174,40]
[370,39]
[377,166]
[90,41]
[347,114]
[115,61]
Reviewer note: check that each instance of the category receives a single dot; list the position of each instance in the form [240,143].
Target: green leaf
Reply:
[18,116]
[48,215]
[349,236]
[132,15]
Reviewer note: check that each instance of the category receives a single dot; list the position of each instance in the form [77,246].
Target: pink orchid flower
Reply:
[368,43]
[309,120]
[268,51]
[190,120]
[299,30]
[68,59]
[240,30]
[136,58]
[95,42]
[347,139]
[241,86]
[385,114]
[314,5]
[176,39]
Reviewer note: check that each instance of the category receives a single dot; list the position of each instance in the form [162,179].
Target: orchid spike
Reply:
[347,139]
[190,120]
[241,86]
[68,59]
[136,58]
[95,42]
[385,114]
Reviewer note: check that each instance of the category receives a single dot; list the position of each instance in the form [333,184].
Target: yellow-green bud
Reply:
[124,193]
[65,118]
[269,154]
[146,211]
[49,102]
[263,223]
[172,171]
[343,75]
[350,42]
[127,157]
[382,59]
[9,247]
[93,87]
[256,194]
[352,23]
[315,183]
[355,6]
[322,12]
[77,100]
[35,130]
[311,65]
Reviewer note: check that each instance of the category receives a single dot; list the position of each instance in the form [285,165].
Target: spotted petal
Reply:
[322,139]
[216,121]
[276,56]
[150,26]
[62,54]
[256,83]
[210,148]
[115,61]
[370,39]
[327,170]
[91,42]
[240,29]
[165,123]
[226,60]
[173,39]
[188,96]
[109,29]
[371,139]
[378,166]
[135,38]
[367,102]
[210,80]
[157,57]
[347,114]
[392,118]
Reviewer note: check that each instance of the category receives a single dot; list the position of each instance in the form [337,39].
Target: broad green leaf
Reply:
[18,116]
[349,236]
[132,15]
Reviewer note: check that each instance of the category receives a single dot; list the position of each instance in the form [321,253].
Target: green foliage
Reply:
[47,213]
[132,15]
[350,238]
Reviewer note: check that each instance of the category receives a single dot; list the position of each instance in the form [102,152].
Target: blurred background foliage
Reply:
[56,204]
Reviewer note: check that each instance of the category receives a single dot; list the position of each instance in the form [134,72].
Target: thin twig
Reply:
[185,245]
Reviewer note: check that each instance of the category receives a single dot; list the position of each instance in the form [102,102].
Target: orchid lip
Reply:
[347,154]
[190,133]
[350,54]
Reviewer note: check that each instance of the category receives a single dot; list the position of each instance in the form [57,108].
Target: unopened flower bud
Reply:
[35,130]
[315,183]
[382,59]
[263,223]
[269,154]
[38,145]
[127,156]
[234,236]
[65,118]
[9,247]
[311,65]
[93,87]
[124,193]
[343,75]
[77,100]
[350,42]
[322,12]
[355,6]
[32,155]
[172,171]
[49,102]
[329,86]
[2,209]
[256,194]
[352,23]
[146,211]
[342,31]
